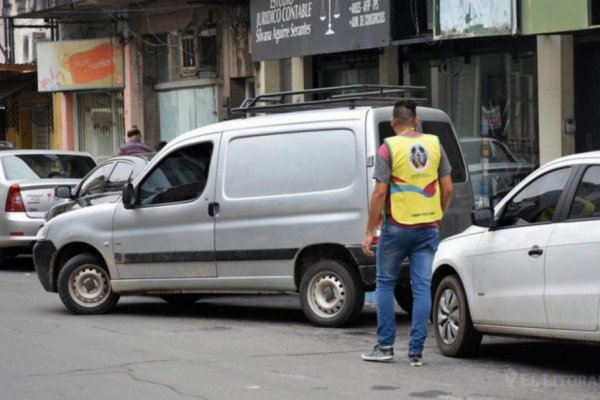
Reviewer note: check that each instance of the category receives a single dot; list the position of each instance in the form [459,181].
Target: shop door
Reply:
[101,123]
[587,96]
[186,109]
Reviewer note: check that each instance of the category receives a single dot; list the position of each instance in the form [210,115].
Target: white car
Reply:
[530,267]
[27,182]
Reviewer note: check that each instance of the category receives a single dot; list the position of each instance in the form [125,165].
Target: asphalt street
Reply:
[252,347]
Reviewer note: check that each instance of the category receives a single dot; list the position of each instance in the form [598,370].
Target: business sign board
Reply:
[455,19]
[80,65]
[291,28]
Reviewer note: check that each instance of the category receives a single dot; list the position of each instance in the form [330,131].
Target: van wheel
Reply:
[454,331]
[84,285]
[404,297]
[331,294]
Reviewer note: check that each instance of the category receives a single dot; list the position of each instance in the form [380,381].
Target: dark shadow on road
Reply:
[565,357]
[21,263]
[255,308]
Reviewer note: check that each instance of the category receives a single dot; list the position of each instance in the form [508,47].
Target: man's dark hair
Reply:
[133,131]
[405,111]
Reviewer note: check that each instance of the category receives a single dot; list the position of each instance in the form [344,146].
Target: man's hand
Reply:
[366,244]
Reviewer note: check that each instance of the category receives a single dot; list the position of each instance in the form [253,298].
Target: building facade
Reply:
[181,61]
[519,74]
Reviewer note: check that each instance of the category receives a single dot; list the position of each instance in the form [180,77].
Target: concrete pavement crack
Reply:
[128,369]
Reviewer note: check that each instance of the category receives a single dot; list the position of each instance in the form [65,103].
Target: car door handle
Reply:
[213,209]
[536,251]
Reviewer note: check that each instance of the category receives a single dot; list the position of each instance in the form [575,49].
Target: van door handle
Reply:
[536,251]
[213,209]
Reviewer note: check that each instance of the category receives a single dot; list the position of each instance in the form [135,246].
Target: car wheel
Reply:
[454,331]
[84,285]
[331,294]
[404,297]
[181,300]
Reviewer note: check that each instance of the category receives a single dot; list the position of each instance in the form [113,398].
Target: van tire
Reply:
[452,324]
[331,294]
[84,285]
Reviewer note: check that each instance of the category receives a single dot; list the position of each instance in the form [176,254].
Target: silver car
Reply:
[27,182]
[103,184]
[494,169]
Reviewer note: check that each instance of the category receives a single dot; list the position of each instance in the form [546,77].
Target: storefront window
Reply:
[492,100]
[361,67]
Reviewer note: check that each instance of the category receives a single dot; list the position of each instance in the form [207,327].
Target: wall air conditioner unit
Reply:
[30,41]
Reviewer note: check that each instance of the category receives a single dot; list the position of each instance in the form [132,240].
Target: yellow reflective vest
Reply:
[414,187]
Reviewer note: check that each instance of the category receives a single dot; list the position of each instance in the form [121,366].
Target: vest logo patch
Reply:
[419,157]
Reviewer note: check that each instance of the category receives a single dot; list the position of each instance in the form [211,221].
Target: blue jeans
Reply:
[395,244]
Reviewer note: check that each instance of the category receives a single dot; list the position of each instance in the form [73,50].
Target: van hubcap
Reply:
[327,294]
[448,317]
[89,286]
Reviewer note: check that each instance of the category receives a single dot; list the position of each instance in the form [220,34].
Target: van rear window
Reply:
[444,131]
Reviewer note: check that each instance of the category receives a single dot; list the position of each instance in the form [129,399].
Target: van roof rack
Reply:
[351,95]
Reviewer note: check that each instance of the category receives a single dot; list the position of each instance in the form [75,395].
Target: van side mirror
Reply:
[128,196]
[483,217]
[63,192]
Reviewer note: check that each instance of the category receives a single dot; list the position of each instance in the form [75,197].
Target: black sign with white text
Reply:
[291,28]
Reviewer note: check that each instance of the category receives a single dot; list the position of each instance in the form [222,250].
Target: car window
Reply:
[120,176]
[94,183]
[444,131]
[41,166]
[537,202]
[586,203]
[181,176]
[500,154]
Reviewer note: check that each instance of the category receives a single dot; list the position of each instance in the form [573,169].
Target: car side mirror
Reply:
[128,196]
[483,217]
[63,192]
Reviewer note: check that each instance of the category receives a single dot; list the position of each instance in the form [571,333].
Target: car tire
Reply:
[84,285]
[331,294]
[404,297]
[454,331]
[181,300]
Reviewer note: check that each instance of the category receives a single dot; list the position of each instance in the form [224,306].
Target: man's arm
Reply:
[376,206]
[446,188]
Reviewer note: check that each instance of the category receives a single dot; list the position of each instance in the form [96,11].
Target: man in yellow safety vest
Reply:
[413,189]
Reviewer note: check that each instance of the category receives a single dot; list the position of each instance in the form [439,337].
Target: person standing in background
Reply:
[134,143]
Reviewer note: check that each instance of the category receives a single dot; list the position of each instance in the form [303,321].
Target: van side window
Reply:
[181,176]
[444,131]
[290,163]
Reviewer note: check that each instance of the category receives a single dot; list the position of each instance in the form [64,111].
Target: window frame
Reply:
[149,174]
[563,200]
[572,193]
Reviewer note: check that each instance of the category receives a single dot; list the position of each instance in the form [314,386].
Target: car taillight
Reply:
[14,200]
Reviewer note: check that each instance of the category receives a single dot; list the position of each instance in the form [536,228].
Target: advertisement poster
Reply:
[80,65]
[469,18]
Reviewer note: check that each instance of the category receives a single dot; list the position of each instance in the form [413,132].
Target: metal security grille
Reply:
[100,123]
[42,120]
